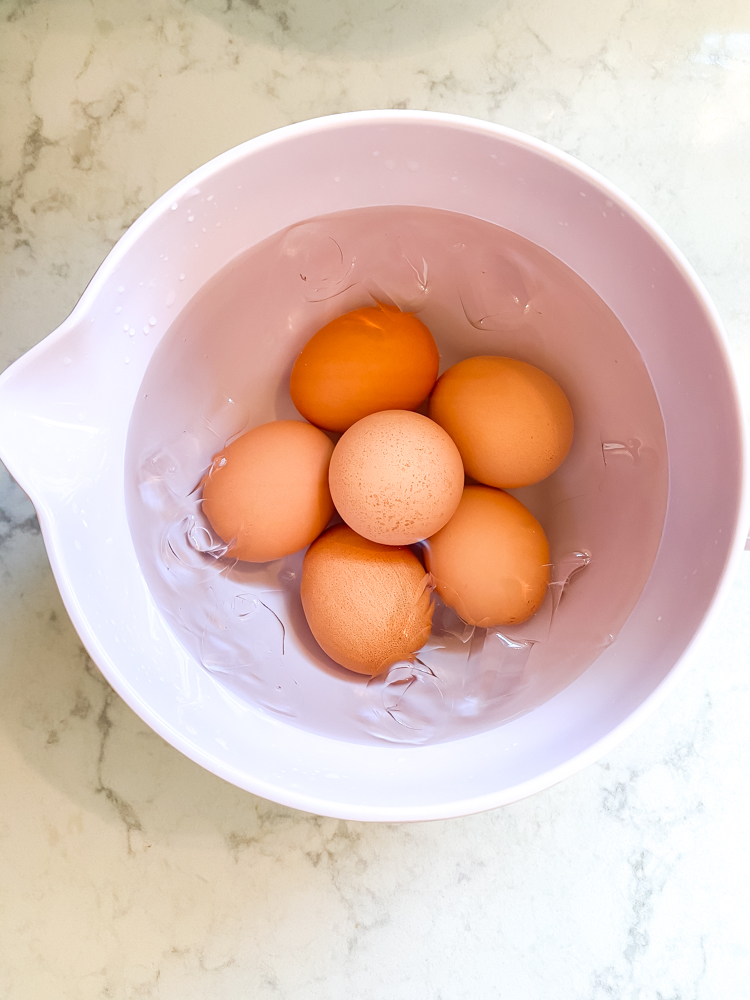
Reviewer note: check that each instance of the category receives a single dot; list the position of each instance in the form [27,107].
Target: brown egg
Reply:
[396,477]
[267,492]
[491,560]
[376,358]
[368,605]
[512,423]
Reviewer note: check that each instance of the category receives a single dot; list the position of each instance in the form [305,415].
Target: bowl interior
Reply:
[223,367]
[67,409]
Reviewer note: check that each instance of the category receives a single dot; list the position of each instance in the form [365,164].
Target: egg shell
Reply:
[512,423]
[396,477]
[370,359]
[368,605]
[267,492]
[491,560]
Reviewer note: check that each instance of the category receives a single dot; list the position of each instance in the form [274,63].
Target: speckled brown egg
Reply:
[491,560]
[266,493]
[511,422]
[396,477]
[368,605]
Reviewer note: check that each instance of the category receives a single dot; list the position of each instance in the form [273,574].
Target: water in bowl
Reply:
[223,367]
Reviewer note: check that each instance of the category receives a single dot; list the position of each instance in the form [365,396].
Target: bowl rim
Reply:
[453,808]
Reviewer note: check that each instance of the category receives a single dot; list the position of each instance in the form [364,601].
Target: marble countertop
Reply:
[125,870]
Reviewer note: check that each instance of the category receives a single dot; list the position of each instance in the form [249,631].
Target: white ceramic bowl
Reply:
[65,409]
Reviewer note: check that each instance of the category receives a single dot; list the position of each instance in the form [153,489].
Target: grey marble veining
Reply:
[125,870]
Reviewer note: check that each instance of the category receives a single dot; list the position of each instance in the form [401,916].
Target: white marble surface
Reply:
[125,870]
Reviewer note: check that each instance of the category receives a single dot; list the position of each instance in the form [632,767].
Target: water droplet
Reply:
[67,362]
[127,361]
[171,296]
[182,277]
[131,333]
[121,289]
[210,198]
[218,225]
[118,309]
[191,218]
[126,327]
[152,320]
[175,206]
[145,328]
